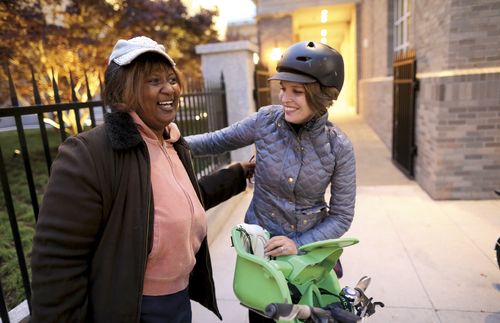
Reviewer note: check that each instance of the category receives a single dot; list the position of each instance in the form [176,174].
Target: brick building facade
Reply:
[458,103]
[457,45]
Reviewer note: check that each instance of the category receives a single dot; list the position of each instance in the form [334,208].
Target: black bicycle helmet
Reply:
[308,62]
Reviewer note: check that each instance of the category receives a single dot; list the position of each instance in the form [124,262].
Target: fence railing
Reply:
[37,130]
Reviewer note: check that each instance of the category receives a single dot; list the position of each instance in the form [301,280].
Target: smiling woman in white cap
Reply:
[121,235]
[299,153]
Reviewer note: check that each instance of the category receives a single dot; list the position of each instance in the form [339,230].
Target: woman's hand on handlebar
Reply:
[280,246]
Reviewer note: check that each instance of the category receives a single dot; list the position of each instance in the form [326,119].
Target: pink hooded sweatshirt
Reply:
[180,223]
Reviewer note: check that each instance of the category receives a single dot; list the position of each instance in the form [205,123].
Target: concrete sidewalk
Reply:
[430,261]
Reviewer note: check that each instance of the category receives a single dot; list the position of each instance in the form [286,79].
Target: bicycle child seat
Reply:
[306,278]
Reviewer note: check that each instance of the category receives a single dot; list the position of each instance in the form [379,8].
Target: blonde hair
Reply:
[320,97]
[123,84]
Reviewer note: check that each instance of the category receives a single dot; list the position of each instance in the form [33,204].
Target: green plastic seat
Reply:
[308,276]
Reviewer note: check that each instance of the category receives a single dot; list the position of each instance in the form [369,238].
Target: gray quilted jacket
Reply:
[292,174]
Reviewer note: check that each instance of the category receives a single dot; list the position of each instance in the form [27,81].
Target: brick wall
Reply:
[374,38]
[458,136]
[458,114]
[430,34]
[375,105]
[456,34]
[474,33]
[375,83]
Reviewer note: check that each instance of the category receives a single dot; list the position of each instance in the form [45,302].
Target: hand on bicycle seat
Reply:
[280,246]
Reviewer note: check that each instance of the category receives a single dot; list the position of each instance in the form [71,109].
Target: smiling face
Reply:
[159,98]
[293,98]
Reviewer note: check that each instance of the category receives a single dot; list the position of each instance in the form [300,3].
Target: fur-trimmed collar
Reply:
[121,130]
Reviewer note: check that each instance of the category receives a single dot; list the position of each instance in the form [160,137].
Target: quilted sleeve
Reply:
[237,135]
[343,196]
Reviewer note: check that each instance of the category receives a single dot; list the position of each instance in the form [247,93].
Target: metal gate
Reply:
[262,91]
[403,122]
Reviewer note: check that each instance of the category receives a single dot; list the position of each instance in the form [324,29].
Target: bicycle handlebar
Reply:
[303,312]
[287,311]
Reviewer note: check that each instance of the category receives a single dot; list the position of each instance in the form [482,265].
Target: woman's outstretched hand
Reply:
[248,168]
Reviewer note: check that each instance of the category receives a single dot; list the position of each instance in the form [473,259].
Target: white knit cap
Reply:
[125,51]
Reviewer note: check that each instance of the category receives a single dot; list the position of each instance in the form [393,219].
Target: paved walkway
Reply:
[430,261]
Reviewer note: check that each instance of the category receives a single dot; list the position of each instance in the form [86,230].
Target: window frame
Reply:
[402,25]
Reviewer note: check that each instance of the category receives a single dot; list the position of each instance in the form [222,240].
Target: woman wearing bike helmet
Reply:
[299,153]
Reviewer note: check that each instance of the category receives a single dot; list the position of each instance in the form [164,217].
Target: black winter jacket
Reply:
[94,228]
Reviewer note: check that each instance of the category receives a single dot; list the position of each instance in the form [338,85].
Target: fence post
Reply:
[4,313]
[235,61]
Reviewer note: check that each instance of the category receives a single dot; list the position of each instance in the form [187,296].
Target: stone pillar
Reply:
[235,61]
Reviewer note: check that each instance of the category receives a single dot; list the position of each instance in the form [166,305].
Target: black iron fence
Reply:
[32,140]
[403,130]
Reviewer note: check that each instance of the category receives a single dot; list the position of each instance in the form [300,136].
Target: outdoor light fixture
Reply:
[323,36]
[256,58]
[275,54]
[324,15]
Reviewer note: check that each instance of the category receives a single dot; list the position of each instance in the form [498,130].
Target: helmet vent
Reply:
[310,44]
[303,58]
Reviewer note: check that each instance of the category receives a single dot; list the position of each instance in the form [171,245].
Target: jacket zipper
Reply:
[191,206]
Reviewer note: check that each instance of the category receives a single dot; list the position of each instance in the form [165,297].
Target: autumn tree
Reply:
[58,36]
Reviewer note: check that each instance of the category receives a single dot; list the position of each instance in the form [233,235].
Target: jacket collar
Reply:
[316,123]
[312,125]
[123,133]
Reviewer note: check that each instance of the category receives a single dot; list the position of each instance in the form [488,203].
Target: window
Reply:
[402,21]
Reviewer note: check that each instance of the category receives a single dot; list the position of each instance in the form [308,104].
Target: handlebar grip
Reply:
[274,310]
[287,311]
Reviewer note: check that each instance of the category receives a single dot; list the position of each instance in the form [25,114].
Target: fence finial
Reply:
[12,89]
[36,93]
[89,95]
[57,98]
[72,84]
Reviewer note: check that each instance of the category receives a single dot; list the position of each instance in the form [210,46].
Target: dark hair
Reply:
[320,97]
[123,84]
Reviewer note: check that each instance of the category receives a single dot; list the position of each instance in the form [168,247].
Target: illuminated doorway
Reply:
[335,26]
